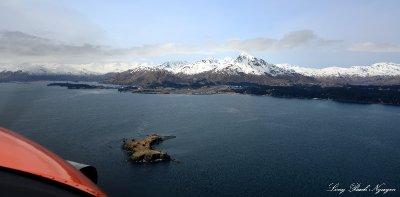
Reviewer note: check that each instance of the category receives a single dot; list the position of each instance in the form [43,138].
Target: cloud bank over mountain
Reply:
[19,47]
[309,33]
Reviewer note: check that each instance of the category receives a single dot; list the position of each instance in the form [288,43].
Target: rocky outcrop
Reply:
[141,151]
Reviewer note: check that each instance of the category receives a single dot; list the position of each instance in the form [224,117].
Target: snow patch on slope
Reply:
[378,69]
[71,69]
[243,64]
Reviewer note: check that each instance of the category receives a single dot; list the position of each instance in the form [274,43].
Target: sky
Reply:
[313,33]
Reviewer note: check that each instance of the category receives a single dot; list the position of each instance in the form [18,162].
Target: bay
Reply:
[226,145]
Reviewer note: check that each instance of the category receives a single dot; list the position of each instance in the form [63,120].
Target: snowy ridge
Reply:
[243,64]
[378,69]
[71,69]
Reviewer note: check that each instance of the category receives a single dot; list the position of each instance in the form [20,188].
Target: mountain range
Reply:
[244,68]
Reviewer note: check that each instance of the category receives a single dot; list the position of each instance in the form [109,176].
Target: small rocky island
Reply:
[141,151]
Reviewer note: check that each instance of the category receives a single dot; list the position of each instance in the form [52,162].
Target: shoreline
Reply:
[387,95]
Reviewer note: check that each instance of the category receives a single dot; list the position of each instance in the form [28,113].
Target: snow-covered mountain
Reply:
[243,64]
[71,69]
[378,69]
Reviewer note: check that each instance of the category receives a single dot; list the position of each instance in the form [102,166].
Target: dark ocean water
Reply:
[227,145]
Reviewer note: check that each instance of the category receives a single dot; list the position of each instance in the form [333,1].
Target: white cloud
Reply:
[375,47]
[19,47]
[303,38]
[255,44]
[167,49]
[49,19]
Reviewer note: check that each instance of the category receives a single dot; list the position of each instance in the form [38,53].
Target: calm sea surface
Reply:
[227,145]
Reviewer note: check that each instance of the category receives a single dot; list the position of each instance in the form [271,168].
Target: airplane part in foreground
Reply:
[29,169]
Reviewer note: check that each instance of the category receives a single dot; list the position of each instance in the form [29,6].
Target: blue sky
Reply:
[308,33]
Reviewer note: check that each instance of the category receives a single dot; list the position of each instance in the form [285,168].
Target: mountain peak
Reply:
[170,64]
[244,55]
[244,63]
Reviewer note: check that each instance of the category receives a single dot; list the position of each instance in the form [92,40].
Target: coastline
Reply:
[361,94]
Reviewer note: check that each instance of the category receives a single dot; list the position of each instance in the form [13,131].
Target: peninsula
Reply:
[80,86]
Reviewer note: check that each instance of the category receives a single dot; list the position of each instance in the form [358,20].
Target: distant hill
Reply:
[246,68]
[242,69]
